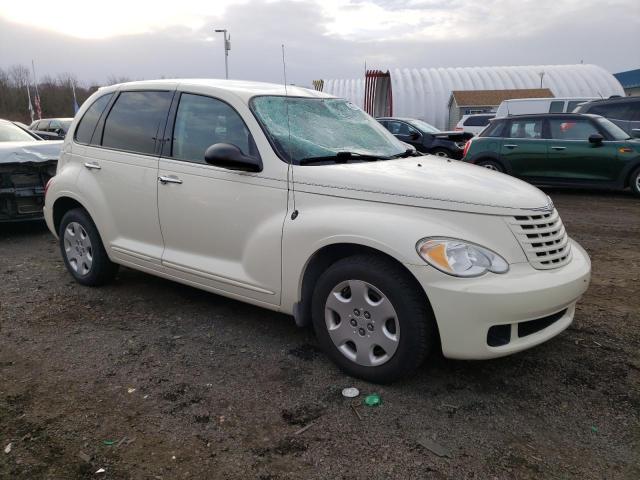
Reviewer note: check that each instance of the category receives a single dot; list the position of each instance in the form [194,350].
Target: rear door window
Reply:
[204,121]
[571,129]
[526,128]
[133,122]
[400,128]
[84,131]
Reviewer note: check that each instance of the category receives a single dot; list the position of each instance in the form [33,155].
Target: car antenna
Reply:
[294,214]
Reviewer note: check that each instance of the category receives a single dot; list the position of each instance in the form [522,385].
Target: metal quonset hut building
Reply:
[425,92]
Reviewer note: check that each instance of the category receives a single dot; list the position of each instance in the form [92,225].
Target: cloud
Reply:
[320,43]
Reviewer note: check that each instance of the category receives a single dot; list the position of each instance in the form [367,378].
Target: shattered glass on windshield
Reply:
[322,127]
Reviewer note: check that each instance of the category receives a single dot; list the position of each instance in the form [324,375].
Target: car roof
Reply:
[547,115]
[402,119]
[241,88]
[56,118]
[549,99]
[613,100]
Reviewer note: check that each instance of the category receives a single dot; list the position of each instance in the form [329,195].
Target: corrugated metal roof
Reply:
[424,93]
[629,79]
[473,98]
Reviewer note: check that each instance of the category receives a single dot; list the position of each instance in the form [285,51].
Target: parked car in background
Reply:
[474,123]
[26,165]
[559,149]
[425,137]
[527,106]
[11,132]
[623,111]
[51,128]
[300,202]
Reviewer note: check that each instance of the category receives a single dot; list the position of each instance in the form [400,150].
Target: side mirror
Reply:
[229,156]
[414,136]
[596,138]
[635,132]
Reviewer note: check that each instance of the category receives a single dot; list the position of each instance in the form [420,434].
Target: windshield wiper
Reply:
[342,157]
[409,152]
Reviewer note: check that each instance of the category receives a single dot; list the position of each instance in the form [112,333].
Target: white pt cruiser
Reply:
[300,202]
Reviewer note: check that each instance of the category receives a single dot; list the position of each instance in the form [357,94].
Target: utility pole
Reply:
[227,47]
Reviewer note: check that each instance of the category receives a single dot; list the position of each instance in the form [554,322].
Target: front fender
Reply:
[388,228]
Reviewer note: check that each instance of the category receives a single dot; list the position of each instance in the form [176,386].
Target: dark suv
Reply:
[425,137]
[559,149]
[623,111]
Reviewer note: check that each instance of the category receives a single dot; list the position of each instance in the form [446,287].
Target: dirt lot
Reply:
[150,379]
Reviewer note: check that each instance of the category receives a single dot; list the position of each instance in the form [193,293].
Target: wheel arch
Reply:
[493,158]
[630,170]
[327,255]
[61,206]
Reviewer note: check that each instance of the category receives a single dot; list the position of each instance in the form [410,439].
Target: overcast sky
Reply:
[323,38]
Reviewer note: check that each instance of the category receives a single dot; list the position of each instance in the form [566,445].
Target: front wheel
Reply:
[634,182]
[371,318]
[491,165]
[82,249]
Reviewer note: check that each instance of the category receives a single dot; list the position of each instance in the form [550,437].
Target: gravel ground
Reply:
[151,379]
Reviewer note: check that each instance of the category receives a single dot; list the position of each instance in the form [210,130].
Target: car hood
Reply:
[426,181]
[24,152]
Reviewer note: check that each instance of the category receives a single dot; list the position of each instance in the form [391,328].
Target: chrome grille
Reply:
[543,239]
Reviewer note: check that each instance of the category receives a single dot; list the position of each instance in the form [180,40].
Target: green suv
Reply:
[560,150]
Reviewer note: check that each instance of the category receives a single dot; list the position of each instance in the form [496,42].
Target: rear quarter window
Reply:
[556,107]
[84,131]
[494,129]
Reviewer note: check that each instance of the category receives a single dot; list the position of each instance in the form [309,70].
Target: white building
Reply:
[425,92]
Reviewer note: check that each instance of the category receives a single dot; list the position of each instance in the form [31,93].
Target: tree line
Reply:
[56,93]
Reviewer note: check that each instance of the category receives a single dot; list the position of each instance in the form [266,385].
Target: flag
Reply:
[30,105]
[36,99]
[75,101]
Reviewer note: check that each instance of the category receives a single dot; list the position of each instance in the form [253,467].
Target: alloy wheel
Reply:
[362,323]
[78,249]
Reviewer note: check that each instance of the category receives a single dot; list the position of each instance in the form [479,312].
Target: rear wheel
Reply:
[491,165]
[371,319]
[82,249]
[441,152]
[634,182]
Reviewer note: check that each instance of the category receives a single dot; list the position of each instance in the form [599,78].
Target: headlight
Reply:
[460,258]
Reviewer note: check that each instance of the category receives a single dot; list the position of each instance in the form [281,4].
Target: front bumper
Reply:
[465,309]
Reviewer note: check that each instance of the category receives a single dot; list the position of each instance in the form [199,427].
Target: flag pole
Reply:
[37,97]
[75,101]
[30,105]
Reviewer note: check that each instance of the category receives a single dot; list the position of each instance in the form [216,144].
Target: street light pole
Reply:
[227,47]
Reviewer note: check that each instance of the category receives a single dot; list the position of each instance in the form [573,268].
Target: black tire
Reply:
[441,152]
[414,316]
[634,182]
[491,165]
[102,270]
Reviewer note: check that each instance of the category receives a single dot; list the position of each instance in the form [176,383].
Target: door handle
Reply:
[92,166]
[558,148]
[511,146]
[164,180]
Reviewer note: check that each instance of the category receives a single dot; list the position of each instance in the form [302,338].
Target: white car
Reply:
[301,203]
[528,106]
[474,123]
